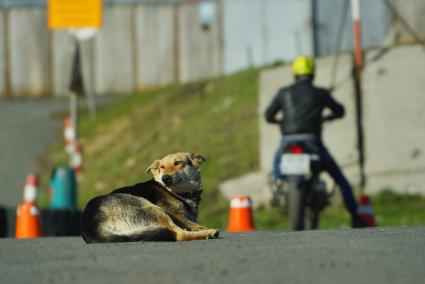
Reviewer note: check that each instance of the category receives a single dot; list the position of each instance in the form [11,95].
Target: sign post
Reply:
[82,18]
[357,77]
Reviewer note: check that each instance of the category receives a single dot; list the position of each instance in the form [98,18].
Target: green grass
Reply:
[216,118]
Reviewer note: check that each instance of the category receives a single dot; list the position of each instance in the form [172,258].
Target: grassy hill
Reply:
[216,118]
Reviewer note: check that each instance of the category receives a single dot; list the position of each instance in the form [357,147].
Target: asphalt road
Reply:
[383,255]
[27,128]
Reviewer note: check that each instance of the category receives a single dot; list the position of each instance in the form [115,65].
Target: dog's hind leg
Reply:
[183,235]
[154,234]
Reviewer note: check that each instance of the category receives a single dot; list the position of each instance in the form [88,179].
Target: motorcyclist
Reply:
[302,104]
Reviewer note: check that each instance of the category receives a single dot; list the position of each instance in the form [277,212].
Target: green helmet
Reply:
[303,66]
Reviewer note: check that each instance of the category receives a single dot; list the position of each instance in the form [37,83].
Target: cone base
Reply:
[240,230]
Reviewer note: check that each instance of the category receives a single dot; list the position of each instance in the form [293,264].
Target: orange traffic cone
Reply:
[28,215]
[365,211]
[241,217]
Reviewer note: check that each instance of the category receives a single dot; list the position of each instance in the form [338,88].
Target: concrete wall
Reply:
[375,23]
[138,46]
[413,12]
[29,52]
[199,50]
[265,31]
[155,35]
[142,45]
[394,118]
[114,51]
[2,57]
[395,115]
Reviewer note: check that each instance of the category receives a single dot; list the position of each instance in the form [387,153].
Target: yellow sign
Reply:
[66,14]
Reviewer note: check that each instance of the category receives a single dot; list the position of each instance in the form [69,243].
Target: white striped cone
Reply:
[30,189]
[69,135]
[241,202]
[241,217]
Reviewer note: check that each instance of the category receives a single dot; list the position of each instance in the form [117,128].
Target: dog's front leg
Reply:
[186,224]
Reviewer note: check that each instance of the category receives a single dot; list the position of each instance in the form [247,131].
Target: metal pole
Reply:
[73,106]
[357,77]
[73,110]
[264,32]
[6,49]
[315,25]
[87,66]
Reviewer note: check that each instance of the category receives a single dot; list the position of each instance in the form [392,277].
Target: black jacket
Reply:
[302,105]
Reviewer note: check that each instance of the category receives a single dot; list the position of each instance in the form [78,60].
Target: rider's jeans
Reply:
[329,165]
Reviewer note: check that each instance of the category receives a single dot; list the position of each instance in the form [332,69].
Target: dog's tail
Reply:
[153,234]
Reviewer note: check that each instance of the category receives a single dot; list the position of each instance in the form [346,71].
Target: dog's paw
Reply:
[213,233]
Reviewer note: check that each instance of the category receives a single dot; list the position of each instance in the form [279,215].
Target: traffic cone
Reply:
[69,135]
[365,211]
[28,223]
[241,217]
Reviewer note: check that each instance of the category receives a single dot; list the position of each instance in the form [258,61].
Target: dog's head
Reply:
[179,171]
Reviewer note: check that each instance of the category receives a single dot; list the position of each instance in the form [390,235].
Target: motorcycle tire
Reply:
[311,220]
[296,206]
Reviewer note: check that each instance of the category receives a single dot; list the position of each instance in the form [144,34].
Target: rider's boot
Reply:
[358,222]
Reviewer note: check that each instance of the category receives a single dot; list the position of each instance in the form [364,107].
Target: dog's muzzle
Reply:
[167,180]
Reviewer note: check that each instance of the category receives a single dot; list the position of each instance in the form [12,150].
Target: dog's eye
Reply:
[162,167]
[176,163]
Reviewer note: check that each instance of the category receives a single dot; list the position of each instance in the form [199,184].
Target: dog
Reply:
[164,208]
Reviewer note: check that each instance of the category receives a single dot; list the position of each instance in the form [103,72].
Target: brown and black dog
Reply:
[162,209]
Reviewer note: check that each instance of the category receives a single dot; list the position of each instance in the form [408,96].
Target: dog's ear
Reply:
[196,159]
[153,166]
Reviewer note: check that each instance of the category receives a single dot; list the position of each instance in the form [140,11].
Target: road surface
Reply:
[383,255]
[27,128]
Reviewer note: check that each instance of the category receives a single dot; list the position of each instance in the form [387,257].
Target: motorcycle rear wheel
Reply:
[296,206]
[311,219]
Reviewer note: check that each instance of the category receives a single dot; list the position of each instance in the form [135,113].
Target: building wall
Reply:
[265,31]
[144,44]
[375,23]
[139,45]
[114,51]
[199,50]
[29,52]
[2,57]
[155,44]
[394,118]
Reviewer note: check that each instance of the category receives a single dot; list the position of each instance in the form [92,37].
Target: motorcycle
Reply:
[302,192]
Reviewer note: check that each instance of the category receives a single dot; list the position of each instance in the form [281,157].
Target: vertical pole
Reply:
[357,33]
[176,45]
[134,45]
[265,34]
[315,21]
[73,104]
[86,69]
[357,77]
[7,69]
[220,19]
